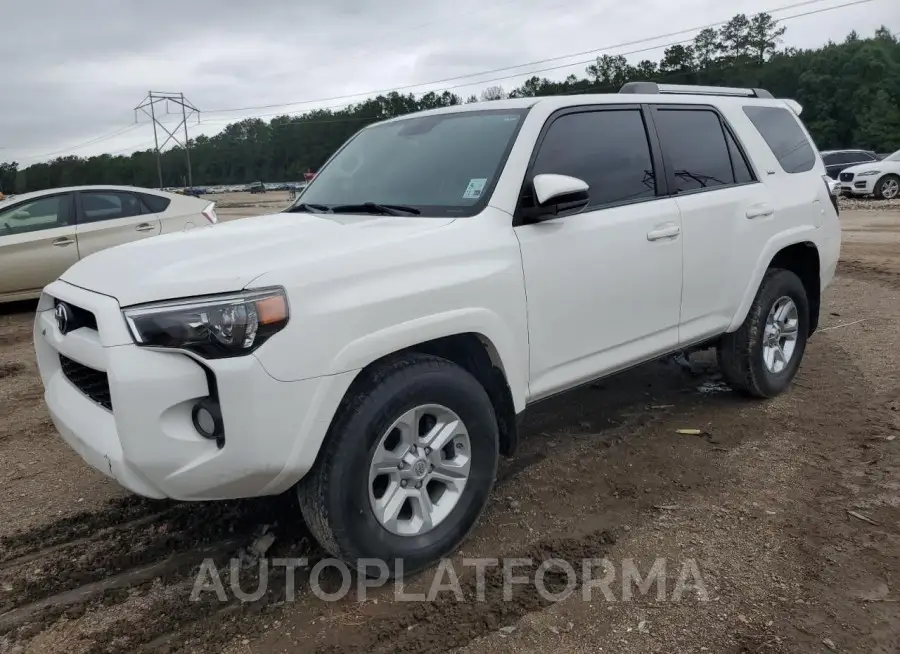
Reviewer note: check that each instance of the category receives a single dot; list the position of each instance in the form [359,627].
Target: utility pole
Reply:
[188,110]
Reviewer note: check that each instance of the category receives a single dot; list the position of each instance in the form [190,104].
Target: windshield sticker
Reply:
[474,189]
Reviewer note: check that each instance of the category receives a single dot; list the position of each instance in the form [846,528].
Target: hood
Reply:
[864,167]
[226,257]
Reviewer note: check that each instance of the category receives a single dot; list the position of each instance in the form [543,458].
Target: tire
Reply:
[888,187]
[741,353]
[335,495]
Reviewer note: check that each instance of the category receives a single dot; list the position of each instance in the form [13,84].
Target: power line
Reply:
[506,68]
[99,139]
[528,73]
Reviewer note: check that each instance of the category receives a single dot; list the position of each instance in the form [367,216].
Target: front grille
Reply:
[93,383]
[79,317]
[846,177]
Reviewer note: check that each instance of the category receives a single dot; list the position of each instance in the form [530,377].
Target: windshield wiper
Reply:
[308,208]
[371,207]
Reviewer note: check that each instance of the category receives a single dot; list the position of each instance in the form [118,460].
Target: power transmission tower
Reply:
[188,110]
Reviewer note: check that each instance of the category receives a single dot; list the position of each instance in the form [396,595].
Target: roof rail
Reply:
[652,88]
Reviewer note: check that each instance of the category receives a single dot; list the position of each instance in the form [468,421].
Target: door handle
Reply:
[666,231]
[144,227]
[63,242]
[760,211]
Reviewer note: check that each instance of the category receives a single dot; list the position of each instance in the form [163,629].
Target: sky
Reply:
[74,70]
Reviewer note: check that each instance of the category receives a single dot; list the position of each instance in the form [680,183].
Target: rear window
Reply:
[155,203]
[782,133]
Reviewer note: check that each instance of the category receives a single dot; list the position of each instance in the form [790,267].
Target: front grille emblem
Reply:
[62,318]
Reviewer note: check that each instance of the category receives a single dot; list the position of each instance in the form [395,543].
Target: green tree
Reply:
[8,174]
[879,125]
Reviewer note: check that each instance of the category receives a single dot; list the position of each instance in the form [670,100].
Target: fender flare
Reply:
[485,323]
[794,236]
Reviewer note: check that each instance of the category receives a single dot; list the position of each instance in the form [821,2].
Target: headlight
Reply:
[215,326]
[869,173]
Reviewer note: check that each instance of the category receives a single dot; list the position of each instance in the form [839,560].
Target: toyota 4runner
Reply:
[372,346]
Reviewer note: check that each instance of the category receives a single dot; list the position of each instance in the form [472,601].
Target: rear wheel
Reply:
[888,187]
[761,358]
[407,467]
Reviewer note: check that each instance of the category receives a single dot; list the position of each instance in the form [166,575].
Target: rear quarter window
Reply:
[155,203]
[781,131]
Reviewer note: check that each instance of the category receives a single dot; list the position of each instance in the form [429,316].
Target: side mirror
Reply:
[557,194]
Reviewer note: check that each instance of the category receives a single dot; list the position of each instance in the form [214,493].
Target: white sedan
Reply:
[878,178]
[45,232]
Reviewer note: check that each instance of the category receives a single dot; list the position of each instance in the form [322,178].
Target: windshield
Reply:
[893,157]
[440,165]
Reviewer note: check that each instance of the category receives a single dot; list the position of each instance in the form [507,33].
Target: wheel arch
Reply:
[798,253]
[802,259]
[480,357]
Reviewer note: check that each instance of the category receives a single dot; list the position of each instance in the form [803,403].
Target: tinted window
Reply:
[35,215]
[782,133]
[694,146]
[109,205]
[155,203]
[742,173]
[607,149]
[441,164]
[860,157]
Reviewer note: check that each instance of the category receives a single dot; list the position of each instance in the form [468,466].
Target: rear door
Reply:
[727,215]
[37,244]
[109,218]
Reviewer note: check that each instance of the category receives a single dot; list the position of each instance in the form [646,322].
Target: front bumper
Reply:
[859,186]
[147,441]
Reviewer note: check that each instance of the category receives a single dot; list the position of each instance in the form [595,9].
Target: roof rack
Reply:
[652,88]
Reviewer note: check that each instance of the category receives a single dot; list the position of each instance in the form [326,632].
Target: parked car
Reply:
[257,187]
[879,178]
[373,346]
[837,160]
[43,233]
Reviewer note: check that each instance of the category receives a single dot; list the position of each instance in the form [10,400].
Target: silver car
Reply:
[45,232]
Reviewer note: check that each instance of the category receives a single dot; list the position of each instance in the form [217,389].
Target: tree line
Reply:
[850,93]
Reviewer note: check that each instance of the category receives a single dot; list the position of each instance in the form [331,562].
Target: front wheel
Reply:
[407,466]
[761,358]
[888,187]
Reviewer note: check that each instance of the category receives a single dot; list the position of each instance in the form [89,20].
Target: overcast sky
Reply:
[74,70]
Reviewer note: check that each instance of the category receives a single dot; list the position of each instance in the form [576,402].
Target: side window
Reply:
[109,205]
[742,173]
[608,149]
[155,203]
[35,215]
[693,143]
[784,137]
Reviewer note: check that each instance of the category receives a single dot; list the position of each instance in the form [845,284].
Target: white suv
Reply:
[372,346]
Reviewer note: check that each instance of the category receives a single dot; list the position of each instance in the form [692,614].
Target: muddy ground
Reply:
[789,509]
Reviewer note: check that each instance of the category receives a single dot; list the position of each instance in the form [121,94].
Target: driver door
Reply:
[37,244]
[603,286]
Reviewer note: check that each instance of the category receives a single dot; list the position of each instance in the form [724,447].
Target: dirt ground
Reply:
[788,510]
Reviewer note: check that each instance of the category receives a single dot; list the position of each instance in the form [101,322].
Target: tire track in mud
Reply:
[84,571]
[117,513]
